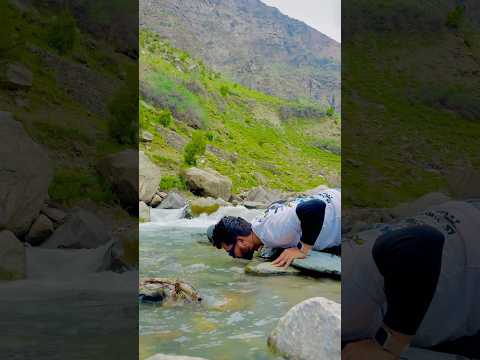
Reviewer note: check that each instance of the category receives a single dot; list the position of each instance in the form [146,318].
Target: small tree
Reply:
[124,116]
[195,148]
[62,33]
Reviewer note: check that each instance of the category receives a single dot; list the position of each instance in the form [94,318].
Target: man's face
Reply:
[244,247]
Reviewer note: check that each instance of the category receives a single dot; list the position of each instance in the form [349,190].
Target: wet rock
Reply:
[173,201]
[208,183]
[254,205]
[161,290]
[17,77]
[41,229]
[156,200]
[25,176]
[12,257]
[81,230]
[173,357]
[320,262]
[149,178]
[267,269]
[204,206]
[121,171]
[147,136]
[54,214]
[143,212]
[309,331]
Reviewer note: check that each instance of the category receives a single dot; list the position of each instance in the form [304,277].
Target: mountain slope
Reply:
[253,138]
[252,43]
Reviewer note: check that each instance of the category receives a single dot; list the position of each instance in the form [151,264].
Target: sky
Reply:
[323,15]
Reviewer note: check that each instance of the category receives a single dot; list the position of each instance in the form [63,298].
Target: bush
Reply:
[330,111]
[165,118]
[62,33]
[195,148]
[224,90]
[6,42]
[455,17]
[172,182]
[124,116]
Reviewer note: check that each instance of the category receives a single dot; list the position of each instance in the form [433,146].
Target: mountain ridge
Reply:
[252,43]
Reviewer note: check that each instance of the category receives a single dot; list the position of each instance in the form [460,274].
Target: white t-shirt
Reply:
[280,226]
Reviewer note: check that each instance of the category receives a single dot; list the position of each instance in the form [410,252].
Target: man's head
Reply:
[234,235]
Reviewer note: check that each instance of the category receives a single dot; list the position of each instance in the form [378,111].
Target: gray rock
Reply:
[173,357]
[208,183]
[147,136]
[81,230]
[12,257]
[267,269]
[17,77]
[254,205]
[25,174]
[320,262]
[172,138]
[143,212]
[204,206]
[260,194]
[149,178]
[222,154]
[121,171]
[54,214]
[41,229]
[316,190]
[309,331]
[173,201]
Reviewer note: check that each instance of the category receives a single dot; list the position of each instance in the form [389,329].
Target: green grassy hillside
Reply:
[253,138]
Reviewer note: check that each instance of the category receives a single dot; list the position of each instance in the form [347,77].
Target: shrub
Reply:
[330,111]
[165,118]
[455,17]
[124,115]
[224,90]
[6,42]
[195,148]
[210,136]
[172,182]
[62,33]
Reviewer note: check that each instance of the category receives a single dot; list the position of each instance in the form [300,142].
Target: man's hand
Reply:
[365,350]
[287,256]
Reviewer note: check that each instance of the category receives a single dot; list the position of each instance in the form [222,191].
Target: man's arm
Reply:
[311,214]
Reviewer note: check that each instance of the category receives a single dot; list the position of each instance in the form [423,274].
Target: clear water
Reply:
[238,311]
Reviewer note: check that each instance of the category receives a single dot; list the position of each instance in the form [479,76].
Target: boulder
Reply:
[172,138]
[149,178]
[81,230]
[204,206]
[309,331]
[12,257]
[261,195]
[147,136]
[173,357]
[17,77]
[41,229]
[320,262]
[208,183]
[143,212]
[121,171]
[267,269]
[24,177]
[173,201]
[54,214]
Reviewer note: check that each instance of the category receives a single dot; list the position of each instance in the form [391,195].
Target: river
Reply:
[238,311]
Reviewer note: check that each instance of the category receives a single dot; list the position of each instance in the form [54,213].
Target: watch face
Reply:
[381,336]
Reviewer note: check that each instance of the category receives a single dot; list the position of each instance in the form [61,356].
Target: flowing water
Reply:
[238,311]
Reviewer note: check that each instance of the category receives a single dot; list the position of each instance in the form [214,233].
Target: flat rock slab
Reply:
[267,269]
[422,354]
[320,262]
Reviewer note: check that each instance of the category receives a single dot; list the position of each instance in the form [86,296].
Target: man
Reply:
[414,283]
[297,227]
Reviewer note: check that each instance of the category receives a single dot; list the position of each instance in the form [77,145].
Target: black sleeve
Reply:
[311,214]
[410,260]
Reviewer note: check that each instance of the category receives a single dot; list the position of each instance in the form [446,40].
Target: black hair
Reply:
[227,230]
